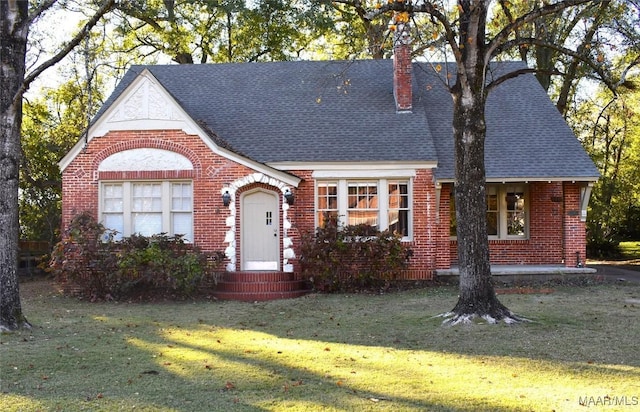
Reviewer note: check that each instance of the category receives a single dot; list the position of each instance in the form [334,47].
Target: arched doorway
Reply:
[260,231]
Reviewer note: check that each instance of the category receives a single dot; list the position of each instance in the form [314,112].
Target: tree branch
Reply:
[37,12]
[494,46]
[513,74]
[105,8]
[597,68]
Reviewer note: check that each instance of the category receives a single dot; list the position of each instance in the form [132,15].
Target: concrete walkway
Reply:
[545,272]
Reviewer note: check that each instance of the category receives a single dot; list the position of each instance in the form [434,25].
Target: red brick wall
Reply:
[211,172]
[424,243]
[555,232]
[548,237]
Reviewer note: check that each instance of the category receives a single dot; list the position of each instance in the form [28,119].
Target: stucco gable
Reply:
[144,105]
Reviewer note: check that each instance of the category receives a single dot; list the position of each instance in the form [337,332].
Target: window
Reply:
[148,208]
[327,207]
[506,212]
[493,213]
[399,208]
[362,204]
[383,204]
[515,211]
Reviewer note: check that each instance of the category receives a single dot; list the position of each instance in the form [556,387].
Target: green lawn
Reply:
[325,353]
[630,250]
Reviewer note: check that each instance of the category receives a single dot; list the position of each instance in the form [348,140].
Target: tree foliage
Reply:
[52,124]
[609,127]
[219,31]
[563,47]
[16,18]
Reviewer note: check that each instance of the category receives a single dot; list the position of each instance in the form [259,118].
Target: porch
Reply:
[526,273]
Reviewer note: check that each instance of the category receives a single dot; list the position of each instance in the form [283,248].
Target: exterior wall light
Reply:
[226,198]
[289,197]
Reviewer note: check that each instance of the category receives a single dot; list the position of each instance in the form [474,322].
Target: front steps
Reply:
[259,286]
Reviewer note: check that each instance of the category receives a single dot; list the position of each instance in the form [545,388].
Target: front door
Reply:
[260,231]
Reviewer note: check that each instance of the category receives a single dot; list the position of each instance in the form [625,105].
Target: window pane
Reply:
[147,224]
[147,197]
[112,209]
[453,223]
[324,216]
[363,195]
[362,203]
[112,198]
[515,212]
[363,218]
[181,197]
[492,223]
[114,222]
[515,223]
[399,222]
[492,211]
[182,226]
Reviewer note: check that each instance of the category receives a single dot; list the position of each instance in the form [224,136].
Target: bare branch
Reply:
[623,76]
[515,73]
[105,8]
[502,37]
[37,12]
[597,68]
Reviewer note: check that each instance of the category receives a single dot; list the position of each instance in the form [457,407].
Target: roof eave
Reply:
[354,165]
[525,179]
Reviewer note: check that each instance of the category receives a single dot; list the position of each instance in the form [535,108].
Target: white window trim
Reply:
[127,203]
[502,212]
[383,200]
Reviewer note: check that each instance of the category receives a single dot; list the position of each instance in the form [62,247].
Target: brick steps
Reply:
[260,286]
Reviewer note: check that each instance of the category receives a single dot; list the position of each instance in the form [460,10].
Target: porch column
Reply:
[575,229]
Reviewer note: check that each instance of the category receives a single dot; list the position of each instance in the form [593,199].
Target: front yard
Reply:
[325,352]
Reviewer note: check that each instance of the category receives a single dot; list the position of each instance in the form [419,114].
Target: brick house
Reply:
[245,158]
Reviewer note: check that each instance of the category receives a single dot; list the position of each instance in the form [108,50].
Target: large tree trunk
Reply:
[477,297]
[13,41]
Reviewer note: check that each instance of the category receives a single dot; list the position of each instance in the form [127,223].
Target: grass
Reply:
[630,250]
[324,353]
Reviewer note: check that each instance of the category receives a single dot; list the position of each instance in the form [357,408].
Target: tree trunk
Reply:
[477,297]
[13,40]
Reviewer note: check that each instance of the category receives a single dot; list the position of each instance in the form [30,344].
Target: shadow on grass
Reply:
[315,353]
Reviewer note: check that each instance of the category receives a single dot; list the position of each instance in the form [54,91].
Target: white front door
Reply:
[260,231]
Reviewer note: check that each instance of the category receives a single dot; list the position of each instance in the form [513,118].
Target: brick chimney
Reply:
[402,69]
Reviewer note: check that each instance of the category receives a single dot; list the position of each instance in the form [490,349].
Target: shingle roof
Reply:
[527,137]
[344,111]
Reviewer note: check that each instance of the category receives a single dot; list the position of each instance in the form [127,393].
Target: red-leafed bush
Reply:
[356,258]
[88,261]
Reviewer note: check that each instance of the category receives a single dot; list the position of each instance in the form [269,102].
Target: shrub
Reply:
[351,258]
[99,267]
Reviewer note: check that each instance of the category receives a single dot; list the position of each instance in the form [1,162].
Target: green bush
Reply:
[96,266]
[351,258]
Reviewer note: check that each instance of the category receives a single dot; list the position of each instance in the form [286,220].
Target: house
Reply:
[245,158]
